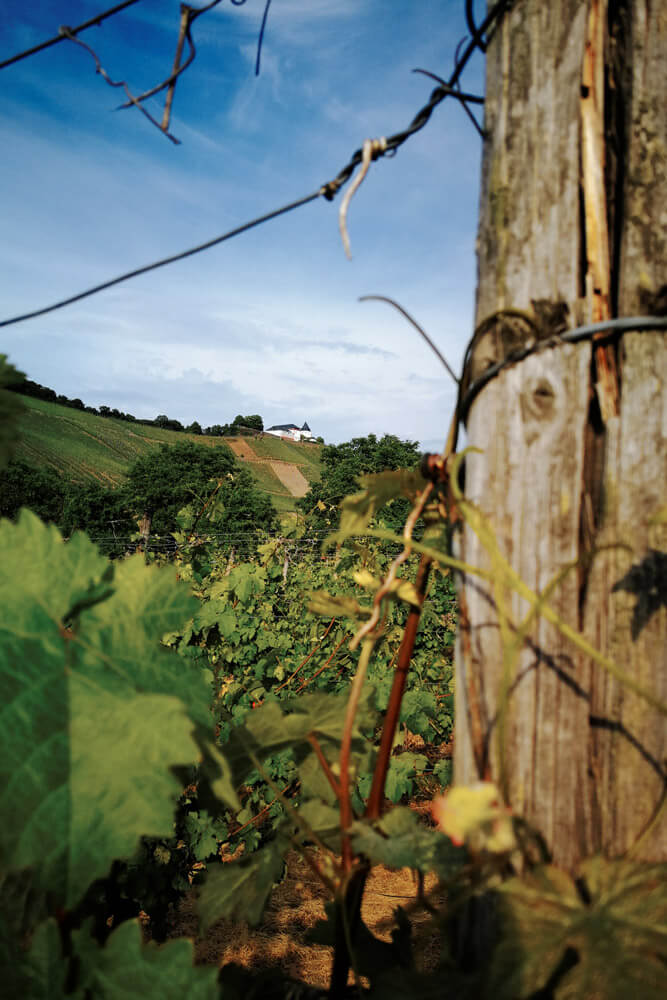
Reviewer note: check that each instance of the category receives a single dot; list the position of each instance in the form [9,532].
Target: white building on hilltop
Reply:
[291,432]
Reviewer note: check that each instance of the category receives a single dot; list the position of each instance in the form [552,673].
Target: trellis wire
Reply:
[327,190]
[621,324]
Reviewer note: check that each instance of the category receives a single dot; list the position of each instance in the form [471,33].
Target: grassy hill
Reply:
[83,447]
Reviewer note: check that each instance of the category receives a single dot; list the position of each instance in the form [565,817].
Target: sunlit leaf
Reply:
[474,815]
[358,510]
[330,606]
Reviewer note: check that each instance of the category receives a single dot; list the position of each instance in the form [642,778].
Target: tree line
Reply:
[163,482]
[158,486]
[240,423]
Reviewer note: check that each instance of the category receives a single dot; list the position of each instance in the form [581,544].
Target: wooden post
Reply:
[145,529]
[573,438]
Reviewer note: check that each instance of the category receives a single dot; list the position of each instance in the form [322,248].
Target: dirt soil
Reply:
[296,905]
[290,476]
[242,449]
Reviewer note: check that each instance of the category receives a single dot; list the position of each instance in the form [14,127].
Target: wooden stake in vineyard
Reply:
[573,463]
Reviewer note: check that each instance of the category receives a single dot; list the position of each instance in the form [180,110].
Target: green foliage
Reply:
[41,490]
[344,464]
[241,890]
[104,726]
[253,421]
[102,512]
[95,712]
[11,407]
[603,934]
[164,482]
[401,840]
[124,969]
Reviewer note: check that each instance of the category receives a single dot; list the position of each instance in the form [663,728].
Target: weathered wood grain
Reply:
[584,758]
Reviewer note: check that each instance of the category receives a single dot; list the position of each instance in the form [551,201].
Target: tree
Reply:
[194,428]
[101,512]
[163,482]
[252,422]
[344,463]
[41,490]
[571,468]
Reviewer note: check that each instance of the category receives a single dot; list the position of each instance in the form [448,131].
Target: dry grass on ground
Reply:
[296,906]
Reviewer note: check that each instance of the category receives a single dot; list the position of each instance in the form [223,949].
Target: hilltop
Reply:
[85,447]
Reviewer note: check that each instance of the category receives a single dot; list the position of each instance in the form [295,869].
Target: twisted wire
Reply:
[327,190]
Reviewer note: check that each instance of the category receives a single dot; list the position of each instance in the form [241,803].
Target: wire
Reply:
[475,32]
[328,190]
[165,260]
[410,319]
[261,35]
[622,324]
[60,37]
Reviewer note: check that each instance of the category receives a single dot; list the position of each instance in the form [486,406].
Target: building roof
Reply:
[289,427]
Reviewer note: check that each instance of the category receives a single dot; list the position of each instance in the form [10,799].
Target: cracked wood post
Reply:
[573,208]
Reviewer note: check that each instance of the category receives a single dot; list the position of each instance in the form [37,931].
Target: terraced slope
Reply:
[83,446]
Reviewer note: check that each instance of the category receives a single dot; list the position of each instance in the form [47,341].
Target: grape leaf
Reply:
[401,774]
[273,727]
[240,889]
[358,510]
[39,974]
[608,925]
[124,969]
[94,713]
[400,840]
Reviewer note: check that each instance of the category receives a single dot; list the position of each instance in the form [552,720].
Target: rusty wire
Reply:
[327,190]
[132,100]
[188,16]
[61,38]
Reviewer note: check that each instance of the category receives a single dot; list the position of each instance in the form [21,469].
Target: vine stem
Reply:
[321,669]
[351,889]
[376,797]
[345,747]
[304,662]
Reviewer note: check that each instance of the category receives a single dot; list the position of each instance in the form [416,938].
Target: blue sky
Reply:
[268,322]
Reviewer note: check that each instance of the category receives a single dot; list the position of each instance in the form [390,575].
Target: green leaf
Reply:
[239,890]
[41,973]
[27,974]
[609,926]
[93,711]
[444,771]
[273,727]
[401,774]
[400,589]
[358,510]
[323,820]
[124,969]
[337,606]
[417,707]
[11,408]
[400,840]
